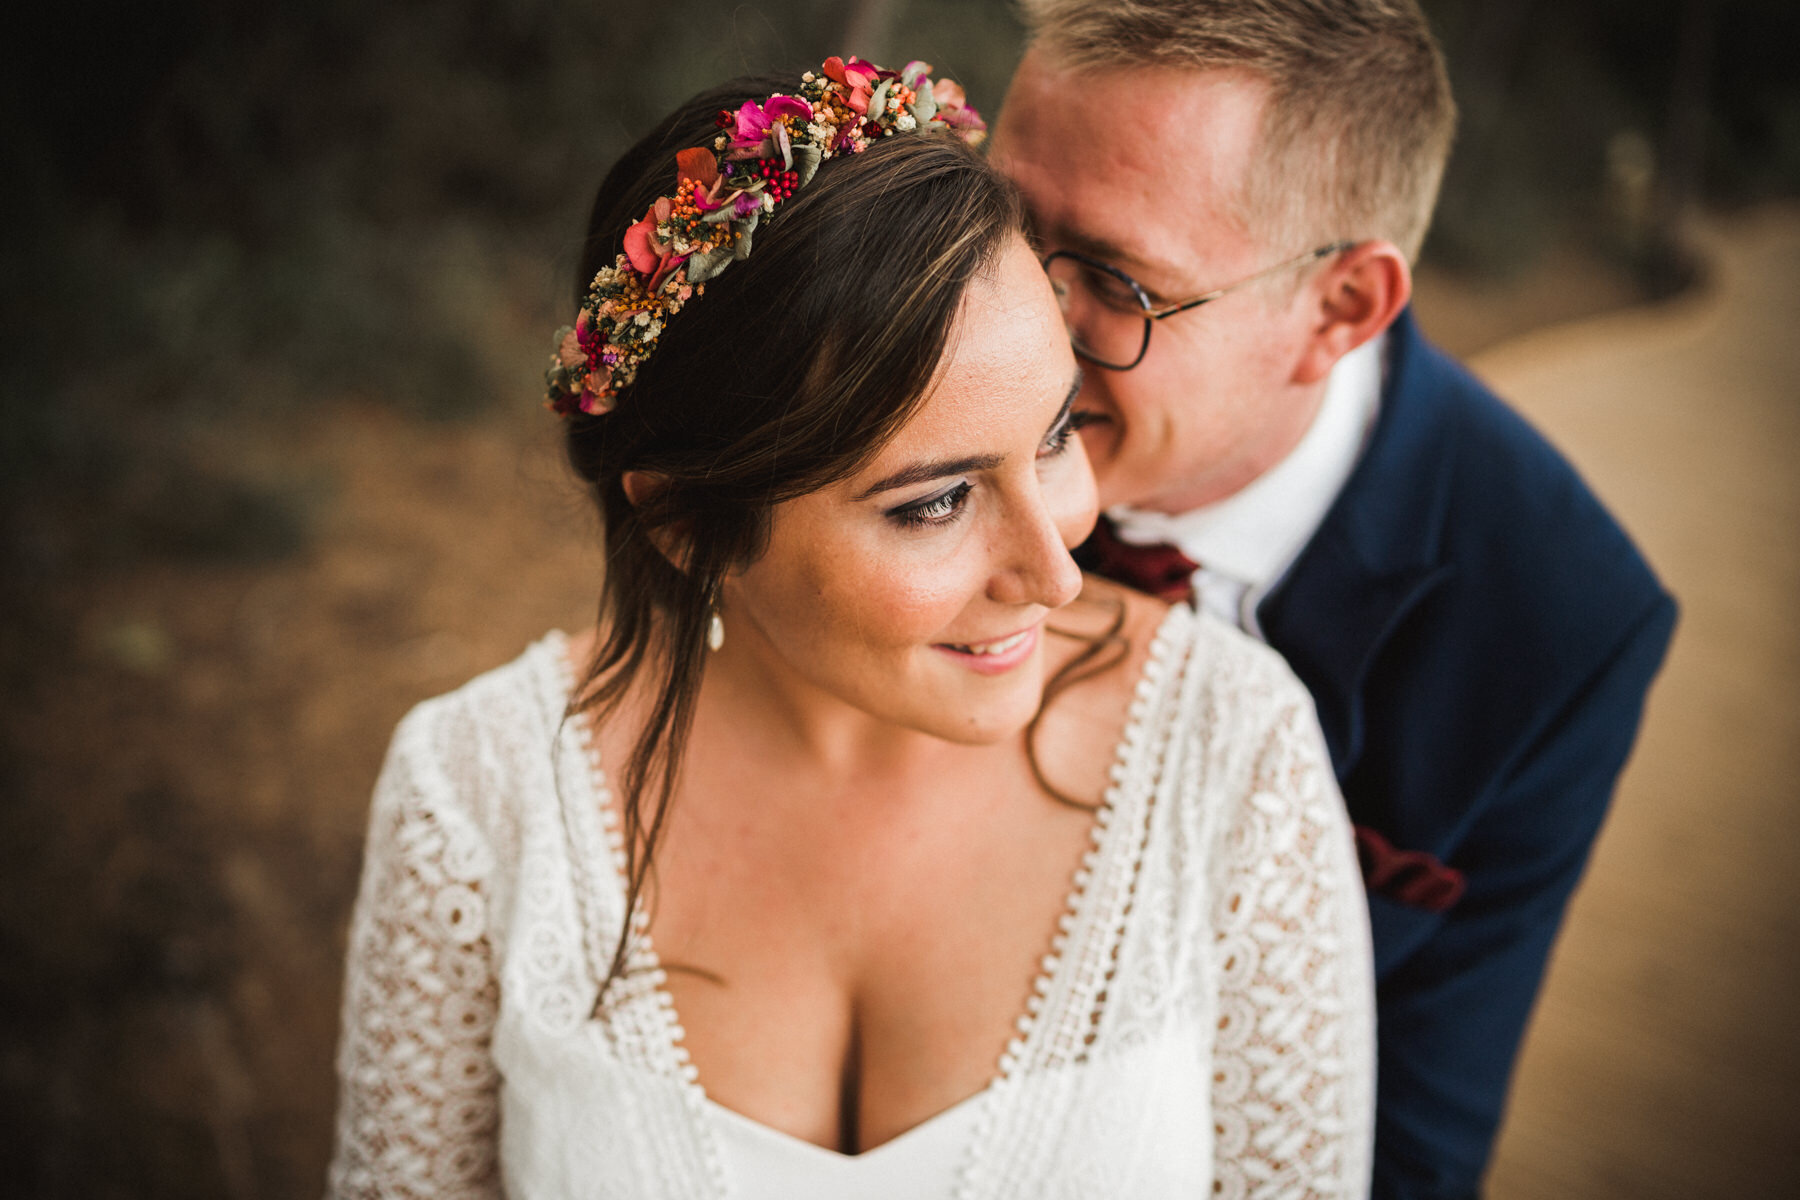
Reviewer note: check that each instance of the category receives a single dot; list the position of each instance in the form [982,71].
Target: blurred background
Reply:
[276,284]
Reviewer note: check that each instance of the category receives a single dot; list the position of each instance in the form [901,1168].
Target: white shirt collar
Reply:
[1254,535]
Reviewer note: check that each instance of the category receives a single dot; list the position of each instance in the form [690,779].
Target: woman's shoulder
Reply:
[1203,682]
[516,695]
[1239,664]
[1254,732]
[1227,659]
[453,749]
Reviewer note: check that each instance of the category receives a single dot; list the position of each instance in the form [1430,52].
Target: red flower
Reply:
[649,256]
[640,241]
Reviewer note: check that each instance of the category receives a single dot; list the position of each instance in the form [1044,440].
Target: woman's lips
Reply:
[995,657]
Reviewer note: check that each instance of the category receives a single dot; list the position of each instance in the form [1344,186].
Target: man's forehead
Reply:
[1116,244]
[1139,167]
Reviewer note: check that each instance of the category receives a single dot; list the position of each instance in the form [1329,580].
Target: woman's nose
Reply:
[1036,566]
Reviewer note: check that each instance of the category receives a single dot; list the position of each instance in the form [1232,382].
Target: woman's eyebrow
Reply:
[921,472]
[937,469]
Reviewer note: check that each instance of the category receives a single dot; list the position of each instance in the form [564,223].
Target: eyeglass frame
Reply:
[1153,313]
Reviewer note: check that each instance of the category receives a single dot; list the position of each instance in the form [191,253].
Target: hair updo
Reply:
[792,371]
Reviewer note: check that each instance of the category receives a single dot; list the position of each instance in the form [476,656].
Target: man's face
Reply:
[1144,169]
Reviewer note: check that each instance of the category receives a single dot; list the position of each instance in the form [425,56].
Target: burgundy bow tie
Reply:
[1159,569]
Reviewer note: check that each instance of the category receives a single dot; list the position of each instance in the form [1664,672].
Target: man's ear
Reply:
[1357,296]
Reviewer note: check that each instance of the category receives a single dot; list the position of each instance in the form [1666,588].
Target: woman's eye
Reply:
[1059,438]
[940,509]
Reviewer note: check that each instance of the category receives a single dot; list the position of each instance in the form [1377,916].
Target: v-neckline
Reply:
[882,1153]
[1105,836]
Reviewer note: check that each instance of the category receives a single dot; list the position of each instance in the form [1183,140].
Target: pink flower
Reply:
[720,196]
[857,75]
[752,137]
[954,110]
[948,93]
[596,395]
[571,353]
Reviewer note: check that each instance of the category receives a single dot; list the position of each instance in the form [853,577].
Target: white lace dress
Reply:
[1203,1027]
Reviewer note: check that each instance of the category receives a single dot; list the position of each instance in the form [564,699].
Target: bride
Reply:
[864,848]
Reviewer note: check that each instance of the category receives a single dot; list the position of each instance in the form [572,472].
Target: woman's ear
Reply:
[670,540]
[1357,296]
[639,486]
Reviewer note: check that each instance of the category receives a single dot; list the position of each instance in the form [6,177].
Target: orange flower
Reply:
[698,164]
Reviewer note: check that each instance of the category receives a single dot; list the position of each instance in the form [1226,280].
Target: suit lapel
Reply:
[1330,622]
[1376,556]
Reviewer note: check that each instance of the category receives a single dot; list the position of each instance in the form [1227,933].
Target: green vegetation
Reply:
[219,213]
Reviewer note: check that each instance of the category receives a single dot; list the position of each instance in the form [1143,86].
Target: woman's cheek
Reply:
[913,606]
[906,599]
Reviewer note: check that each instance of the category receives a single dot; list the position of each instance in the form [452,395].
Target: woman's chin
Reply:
[996,709]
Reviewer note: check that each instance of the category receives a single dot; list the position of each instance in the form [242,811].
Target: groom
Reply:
[1477,632]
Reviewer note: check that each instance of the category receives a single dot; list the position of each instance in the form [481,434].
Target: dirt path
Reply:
[1664,1060]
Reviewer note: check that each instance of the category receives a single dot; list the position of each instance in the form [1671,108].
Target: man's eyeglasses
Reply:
[1109,313]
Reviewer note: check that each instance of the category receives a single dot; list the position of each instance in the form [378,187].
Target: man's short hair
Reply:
[1360,115]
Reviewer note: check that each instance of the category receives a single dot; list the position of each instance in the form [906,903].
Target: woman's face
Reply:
[916,590]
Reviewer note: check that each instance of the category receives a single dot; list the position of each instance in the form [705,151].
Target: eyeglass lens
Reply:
[1107,313]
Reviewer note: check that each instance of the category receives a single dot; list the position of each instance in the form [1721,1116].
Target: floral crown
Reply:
[768,152]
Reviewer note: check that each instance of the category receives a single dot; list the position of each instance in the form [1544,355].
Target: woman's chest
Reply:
[581,1119]
[1100,1087]
[847,993]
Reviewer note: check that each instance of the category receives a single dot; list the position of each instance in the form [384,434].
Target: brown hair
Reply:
[791,372]
[1360,115]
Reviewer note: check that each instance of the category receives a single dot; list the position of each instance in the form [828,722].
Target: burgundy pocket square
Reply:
[1411,877]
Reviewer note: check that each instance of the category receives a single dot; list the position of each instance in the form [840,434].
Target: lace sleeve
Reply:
[1293,1083]
[418,1109]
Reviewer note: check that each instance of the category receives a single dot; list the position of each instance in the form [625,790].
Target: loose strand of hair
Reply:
[1085,665]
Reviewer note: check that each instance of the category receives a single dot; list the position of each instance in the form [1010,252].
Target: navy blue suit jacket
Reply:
[1479,635]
